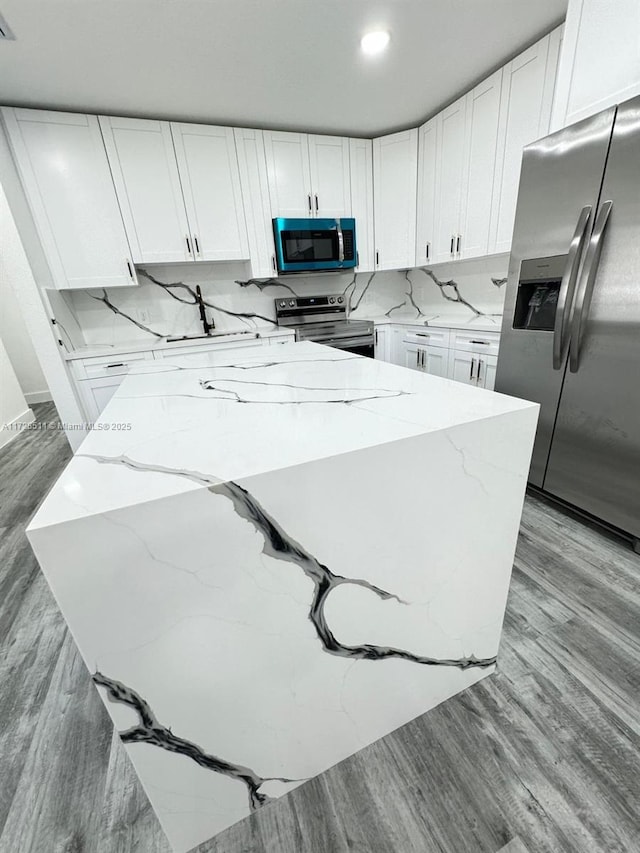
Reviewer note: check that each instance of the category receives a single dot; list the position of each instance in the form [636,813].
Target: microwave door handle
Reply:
[585,289]
[340,242]
[567,287]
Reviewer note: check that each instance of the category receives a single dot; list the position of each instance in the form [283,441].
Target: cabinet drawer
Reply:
[282,339]
[427,337]
[480,342]
[201,349]
[107,365]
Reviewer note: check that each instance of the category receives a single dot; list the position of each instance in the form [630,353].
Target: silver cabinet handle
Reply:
[117,364]
[188,245]
[424,359]
[309,201]
[473,364]
[377,257]
[585,289]
[480,363]
[130,268]
[422,335]
[426,250]
[452,242]
[567,287]
[417,358]
[484,343]
[376,337]
[458,241]
[316,198]
[273,262]
[196,244]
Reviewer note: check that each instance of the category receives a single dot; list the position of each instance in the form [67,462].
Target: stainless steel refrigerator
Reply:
[571,327]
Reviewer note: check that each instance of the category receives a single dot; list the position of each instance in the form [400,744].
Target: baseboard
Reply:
[13,429]
[38,397]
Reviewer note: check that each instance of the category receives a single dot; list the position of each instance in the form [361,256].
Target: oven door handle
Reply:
[345,343]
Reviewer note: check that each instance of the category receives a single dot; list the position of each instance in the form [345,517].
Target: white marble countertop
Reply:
[163,343]
[228,415]
[441,321]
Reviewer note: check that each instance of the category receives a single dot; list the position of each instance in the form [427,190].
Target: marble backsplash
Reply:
[163,304]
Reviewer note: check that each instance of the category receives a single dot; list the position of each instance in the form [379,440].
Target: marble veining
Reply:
[278,544]
[148,730]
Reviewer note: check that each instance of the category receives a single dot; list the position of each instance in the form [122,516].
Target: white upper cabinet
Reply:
[287,156]
[525,112]
[329,168]
[481,139]
[395,162]
[65,173]
[210,179]
[451,145]
[308,175]
[255,193]
[145,173]
[427,167]
[600,61]
[179,189]
[361,168]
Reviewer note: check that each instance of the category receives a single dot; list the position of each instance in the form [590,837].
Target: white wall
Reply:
[14,410]
[13,330]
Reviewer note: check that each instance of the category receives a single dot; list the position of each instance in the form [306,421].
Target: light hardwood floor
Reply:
[543,757]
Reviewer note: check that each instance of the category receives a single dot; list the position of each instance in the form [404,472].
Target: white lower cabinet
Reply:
[468,357]
[382,343]
[96,393]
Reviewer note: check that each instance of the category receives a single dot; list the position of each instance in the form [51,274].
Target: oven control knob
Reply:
[332,300]
[283,304]
[291,303]
[340,298]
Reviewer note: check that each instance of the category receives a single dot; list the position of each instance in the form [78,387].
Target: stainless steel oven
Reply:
[323,319]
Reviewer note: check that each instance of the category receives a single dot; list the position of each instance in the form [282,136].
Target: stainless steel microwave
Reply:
[313,245]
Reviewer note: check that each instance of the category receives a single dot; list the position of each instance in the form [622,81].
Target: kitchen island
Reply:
[269,560]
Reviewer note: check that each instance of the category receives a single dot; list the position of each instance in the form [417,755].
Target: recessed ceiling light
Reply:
[374,42]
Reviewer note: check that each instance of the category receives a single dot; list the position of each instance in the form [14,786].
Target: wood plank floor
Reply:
[543,757]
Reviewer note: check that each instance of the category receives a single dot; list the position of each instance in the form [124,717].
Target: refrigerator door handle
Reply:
[585,289]
[567,287]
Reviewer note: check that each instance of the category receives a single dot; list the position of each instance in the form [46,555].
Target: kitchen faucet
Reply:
[208,327]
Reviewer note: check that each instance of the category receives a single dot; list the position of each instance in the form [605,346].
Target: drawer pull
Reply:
[118,364]
[484,343]
[421,335]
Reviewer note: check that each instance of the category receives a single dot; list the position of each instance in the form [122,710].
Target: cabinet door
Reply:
[65,172]
[436,361]
[395,168]
[382,343]
[210,181]
[525,111]
[96,393]
[329,167]
[463,367]
[145,172]
[487,371]
[287,156]
[255,193]
[426,223]
[451,139]
[412,356]
[361,172]
[482,121]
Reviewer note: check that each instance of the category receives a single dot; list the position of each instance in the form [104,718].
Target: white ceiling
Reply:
[289,64]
